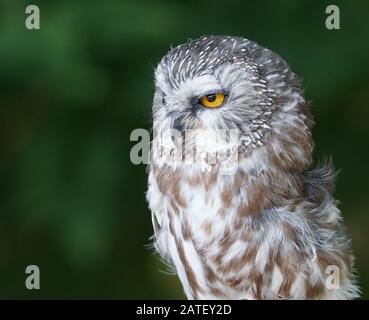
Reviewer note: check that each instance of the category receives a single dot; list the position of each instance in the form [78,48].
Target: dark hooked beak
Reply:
[177,124]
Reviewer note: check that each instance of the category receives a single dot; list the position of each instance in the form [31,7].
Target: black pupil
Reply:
[211,97]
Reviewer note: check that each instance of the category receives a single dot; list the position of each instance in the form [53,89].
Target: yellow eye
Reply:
[213,100]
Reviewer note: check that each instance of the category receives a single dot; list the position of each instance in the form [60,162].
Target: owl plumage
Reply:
[269,228]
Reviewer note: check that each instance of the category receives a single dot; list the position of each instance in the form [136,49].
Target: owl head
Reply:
[222,83]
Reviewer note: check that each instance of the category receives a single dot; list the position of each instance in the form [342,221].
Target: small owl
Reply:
[236,208]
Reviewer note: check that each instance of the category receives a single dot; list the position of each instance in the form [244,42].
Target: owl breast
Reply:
[210,228]
[203,225]
[195,216]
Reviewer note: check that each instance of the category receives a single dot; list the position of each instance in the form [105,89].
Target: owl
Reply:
[236,208]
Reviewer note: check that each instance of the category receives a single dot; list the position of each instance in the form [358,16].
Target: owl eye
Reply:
[213,100]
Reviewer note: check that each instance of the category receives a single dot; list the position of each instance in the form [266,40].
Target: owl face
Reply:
[227,83]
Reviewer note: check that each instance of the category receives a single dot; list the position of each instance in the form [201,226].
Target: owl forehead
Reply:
[200,58]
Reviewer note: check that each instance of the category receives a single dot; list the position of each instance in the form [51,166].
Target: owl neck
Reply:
[258,182]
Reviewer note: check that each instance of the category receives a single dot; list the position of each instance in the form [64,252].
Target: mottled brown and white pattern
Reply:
[268,230]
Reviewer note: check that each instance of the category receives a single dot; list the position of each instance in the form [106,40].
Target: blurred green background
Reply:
[71,201]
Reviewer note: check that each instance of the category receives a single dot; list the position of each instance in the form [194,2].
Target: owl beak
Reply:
[177,131]
[177,124]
